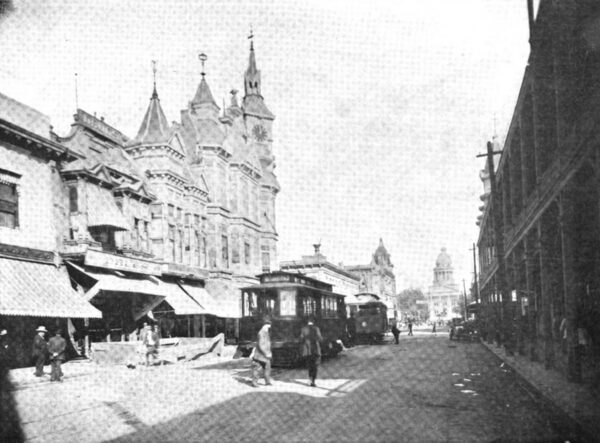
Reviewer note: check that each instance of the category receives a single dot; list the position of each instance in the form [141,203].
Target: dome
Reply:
[443,260]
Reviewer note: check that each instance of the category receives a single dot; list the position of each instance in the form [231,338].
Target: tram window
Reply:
[267,302]
[309,305]
[287,299]
[250,308]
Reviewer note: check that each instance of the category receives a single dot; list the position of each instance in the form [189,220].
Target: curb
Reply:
[566,421]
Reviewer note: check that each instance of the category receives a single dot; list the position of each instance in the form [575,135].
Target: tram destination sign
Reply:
[121,263]
[293,278]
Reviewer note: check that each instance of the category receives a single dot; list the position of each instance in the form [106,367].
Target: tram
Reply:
[289,299]
[370,316]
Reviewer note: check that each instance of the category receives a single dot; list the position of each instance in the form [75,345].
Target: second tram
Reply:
[370,316]
[290,299]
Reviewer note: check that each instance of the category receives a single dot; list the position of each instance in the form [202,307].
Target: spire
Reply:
[253,100]
[252,76]
[155,127]
[203,95]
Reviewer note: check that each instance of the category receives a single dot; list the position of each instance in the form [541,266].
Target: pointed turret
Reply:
[154,128]
[253,100]
[204,98]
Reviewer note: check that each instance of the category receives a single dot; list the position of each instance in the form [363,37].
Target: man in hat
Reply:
[39,350]
[262,354]
[311,339]
[56,348]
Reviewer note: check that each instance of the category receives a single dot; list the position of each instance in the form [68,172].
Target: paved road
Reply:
[424,389]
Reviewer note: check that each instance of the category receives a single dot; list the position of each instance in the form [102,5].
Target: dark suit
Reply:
[39,354]
[56,348]
[311,349]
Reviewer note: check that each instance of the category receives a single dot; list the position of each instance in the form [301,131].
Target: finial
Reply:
[76,94]
[154,69]
[203,59]
[251,38]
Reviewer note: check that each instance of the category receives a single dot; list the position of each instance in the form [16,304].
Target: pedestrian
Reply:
[433,330]
[396,333]
[40,348]
[311,339]
[151,344]
[56,348]
[410,327]
[262,354]
[351,330]
[143,332]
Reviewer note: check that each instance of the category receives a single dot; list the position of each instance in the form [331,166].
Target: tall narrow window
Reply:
[225,251]
[203,252]
[247,253]
[266,261]
[180,247]
[171,251]
[197,254]
[73,199]
[9,205]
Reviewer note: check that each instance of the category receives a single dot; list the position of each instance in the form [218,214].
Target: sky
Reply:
[381,106]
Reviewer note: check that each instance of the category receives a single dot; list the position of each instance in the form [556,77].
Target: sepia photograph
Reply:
[300,221]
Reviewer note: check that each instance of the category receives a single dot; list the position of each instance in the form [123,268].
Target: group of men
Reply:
[310,339]
[54,348]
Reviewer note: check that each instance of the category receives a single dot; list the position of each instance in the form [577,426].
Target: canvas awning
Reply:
[102,209]
[201,296]
[40,290]
[146,291]
[227,299]
[182,302]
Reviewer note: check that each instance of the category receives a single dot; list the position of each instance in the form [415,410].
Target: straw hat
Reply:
[41,329]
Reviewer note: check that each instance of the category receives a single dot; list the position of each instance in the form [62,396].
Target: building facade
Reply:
[378,278]
[540,227]
[165,226]
[317,266]
[34,283]
[444,293]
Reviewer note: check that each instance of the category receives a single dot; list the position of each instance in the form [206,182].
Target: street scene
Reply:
[300,221]
[423,389]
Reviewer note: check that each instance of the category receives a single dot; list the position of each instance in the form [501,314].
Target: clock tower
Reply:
[258,118]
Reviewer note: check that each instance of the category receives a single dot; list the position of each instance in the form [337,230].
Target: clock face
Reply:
[260,133]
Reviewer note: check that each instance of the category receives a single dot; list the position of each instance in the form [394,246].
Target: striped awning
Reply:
[40,290]
[102,209]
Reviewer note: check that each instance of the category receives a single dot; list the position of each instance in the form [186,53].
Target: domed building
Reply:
[444,293]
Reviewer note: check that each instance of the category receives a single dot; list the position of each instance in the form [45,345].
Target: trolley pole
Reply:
[476,282]
[465,298]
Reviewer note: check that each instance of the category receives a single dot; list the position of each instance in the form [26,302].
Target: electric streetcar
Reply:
[289,299]
[370,316]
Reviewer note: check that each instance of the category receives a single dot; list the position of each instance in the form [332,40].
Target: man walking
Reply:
[39,350]
[56,348]
[351,330]
[396,333]
[151,344]
[262,354]
[311,348]
[410,326]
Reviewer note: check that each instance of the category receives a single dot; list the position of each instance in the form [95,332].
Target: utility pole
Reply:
[476,281]
[496,215]
[465,298]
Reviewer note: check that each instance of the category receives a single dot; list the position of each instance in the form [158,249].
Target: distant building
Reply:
[378,277]
[444,293]
[317,266]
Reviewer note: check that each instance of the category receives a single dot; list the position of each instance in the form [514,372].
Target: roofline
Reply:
[56,148]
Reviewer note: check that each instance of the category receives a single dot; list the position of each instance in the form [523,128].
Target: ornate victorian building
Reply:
[378,277]
[443,294]
[166,225]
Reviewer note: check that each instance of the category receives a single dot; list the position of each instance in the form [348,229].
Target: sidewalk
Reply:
[577,401]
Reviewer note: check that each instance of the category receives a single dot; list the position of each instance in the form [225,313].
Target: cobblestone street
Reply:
[424,389]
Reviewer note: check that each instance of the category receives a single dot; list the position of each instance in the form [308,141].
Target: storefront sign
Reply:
[184,270]
[121,263]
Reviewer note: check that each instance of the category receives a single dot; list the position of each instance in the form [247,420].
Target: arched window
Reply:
[73,199]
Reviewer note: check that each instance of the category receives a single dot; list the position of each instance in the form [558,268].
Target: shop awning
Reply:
[102,209]
[40,290]
[181,302]
[227,299]
[200,296]
[151,288]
